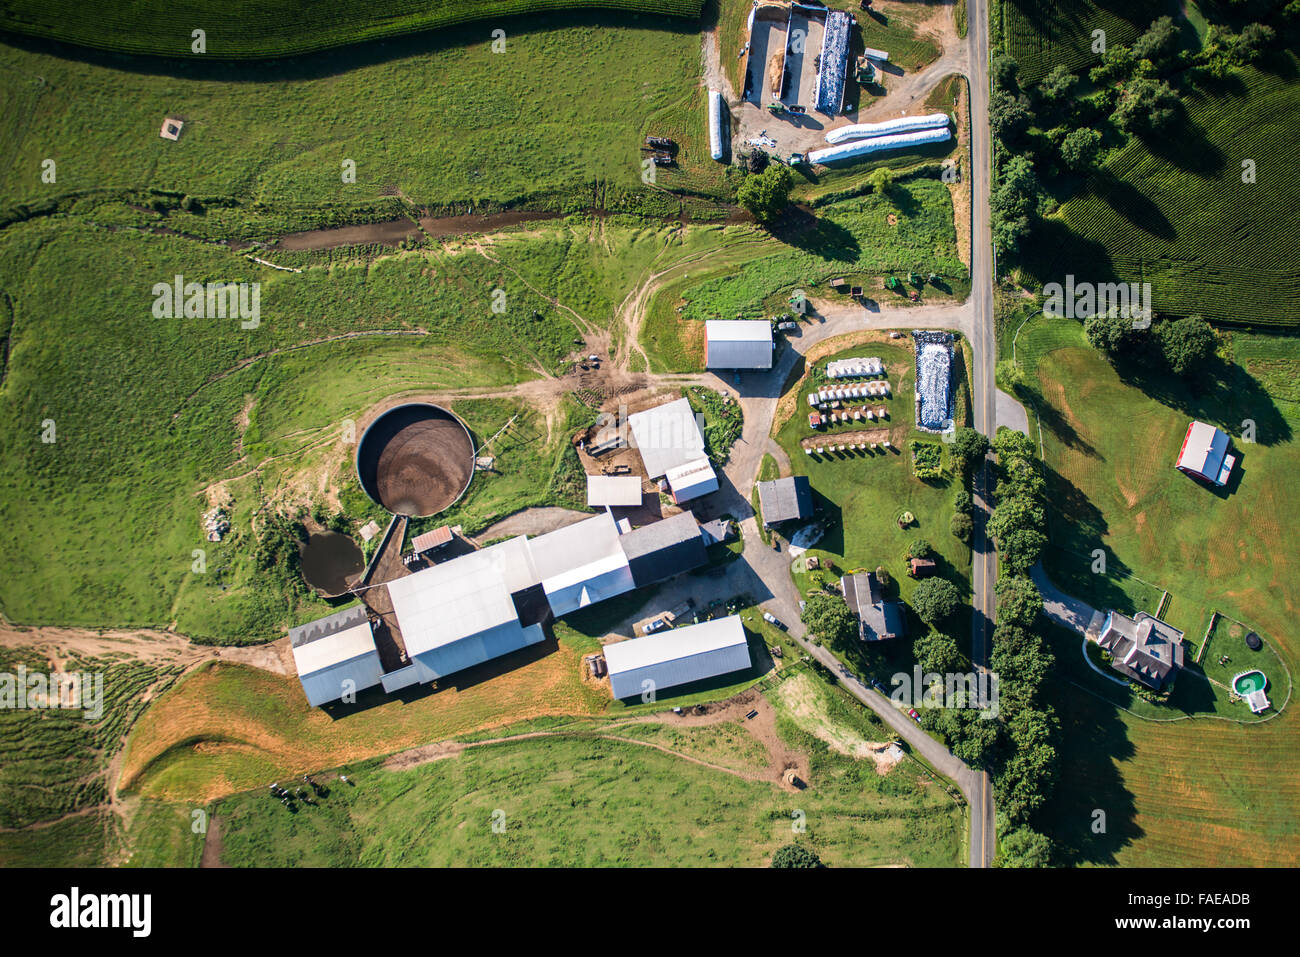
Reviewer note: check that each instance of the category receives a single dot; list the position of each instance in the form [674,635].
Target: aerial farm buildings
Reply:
[738,344]
[677,657]
[672,447]
[490,602]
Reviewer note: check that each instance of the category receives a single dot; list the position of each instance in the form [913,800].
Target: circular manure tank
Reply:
[416,459]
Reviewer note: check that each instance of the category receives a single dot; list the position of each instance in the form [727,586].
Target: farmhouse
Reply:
[785,500]
[677,657]
[336,655]
[470,609]
[604,491]
[877,618]
[738,344]
[1144,648]
[1205,454]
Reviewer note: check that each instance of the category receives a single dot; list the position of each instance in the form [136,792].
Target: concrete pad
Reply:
[1011,413]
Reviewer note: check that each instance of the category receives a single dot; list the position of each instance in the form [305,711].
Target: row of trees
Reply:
[1187,345]
[1019,521]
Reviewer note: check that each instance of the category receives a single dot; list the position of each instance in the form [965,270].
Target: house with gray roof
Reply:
[785,499]
[1146,649]
[878,620]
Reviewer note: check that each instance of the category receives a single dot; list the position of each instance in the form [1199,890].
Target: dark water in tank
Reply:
[329,560]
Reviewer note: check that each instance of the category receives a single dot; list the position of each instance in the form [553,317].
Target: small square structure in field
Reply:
[171,128]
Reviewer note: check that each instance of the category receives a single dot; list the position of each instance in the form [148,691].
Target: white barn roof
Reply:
[605,490]
[455,600]
[692,480]
[335,654]
[581,563]
[678,656]
[738,344]
[1204,451]
[667,436]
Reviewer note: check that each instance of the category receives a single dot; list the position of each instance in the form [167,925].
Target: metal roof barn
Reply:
[581,564]
[785,499]
[667,436]
[459,613]
[615,490]
[692,480]
[663,549]
[1205,453]
[333,651]
[677,657]
[738,344]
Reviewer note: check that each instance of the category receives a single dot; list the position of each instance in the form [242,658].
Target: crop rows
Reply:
[1185,221]
[1040,34]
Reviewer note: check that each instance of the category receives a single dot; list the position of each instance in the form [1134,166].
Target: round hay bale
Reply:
[416,460]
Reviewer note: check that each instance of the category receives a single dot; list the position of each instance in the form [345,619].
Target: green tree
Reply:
[935,599]
[766,194]
[881,180]
[969,446]
[1146,106]
[938,653]
[1057,86]
[1112,334]
[1018,601]
[1080,149]
[962,528]
[1188,344]
[1004,71]
[1020,549]
[828,617]
[1009,116]
[1023,847]
[1250,44]
[795,855]
[919,548]
[1158,43]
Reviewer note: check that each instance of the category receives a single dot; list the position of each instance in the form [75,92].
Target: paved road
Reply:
[985,569]
[1065,610]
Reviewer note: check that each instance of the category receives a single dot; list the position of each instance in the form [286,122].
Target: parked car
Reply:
[911,713]
[875,683]
[655,625]
[773,620]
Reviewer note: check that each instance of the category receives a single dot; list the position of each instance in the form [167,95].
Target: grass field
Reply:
[437,120]
[575,800]
[54,763]
[229,728]
[861,497]
[1198,792]
[1176,214]
[247,30]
